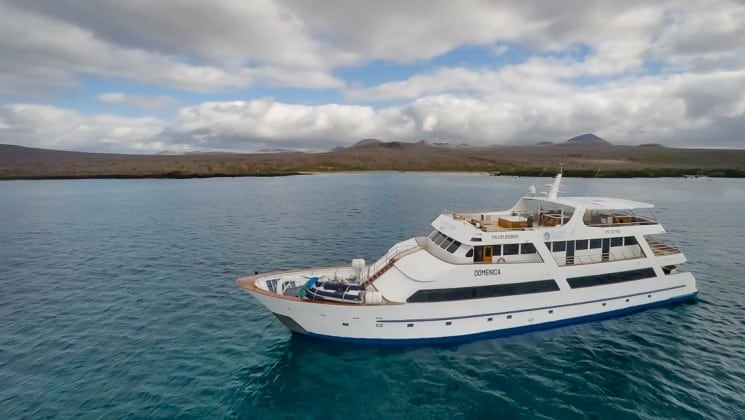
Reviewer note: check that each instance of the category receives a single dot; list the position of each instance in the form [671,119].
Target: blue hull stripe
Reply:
[508,331]
[517,311]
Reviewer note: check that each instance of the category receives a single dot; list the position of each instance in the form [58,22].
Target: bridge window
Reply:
[455,245]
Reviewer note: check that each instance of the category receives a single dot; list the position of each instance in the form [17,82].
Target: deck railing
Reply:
[617,255]
[661,248]
[386,261]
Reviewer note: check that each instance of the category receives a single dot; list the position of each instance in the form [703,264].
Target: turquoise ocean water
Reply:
[118,299]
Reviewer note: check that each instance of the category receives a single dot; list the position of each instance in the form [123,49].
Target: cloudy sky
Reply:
[142,76]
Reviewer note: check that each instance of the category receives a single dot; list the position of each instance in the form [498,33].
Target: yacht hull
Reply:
[466,320]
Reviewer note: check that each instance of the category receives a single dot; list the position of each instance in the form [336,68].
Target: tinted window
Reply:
[616,241]
[462,293]
[595,243]
[446,243]
[629,240]
[560,246]
[433,234]
[441,239]
[548,245]
[469,254]
[527,249]
[497,250]
[610,278]
[511,249]
[580,245]
[453,246]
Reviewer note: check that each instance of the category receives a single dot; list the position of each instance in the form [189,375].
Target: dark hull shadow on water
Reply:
[583,367]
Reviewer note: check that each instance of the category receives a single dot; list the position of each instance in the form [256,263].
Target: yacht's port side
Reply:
[547,261]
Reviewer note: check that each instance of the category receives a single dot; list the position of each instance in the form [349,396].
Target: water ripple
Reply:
[118,300]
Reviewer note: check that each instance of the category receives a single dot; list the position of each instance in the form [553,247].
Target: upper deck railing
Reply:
[514,220]
[610,218]
[528,220]
[660,248]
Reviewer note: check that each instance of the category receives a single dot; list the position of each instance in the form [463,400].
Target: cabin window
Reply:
[548,245]
[629,240]
[580,245]
[478,256]
[511,249]
[595,243]
[610,278]
[455,245]
[616,241]
[497,250]
[527,248]
[469,254]
[560,246]
[442,238]
[481,292]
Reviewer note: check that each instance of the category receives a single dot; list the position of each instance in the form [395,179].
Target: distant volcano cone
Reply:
[587,139]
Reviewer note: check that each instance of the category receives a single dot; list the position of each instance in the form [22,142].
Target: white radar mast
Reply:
[554,191]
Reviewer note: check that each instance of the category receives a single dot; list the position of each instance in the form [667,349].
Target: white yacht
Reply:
[546,262]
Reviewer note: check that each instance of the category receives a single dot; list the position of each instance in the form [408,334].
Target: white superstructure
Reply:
[547,261]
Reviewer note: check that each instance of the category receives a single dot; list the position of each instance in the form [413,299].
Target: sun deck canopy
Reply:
[596,203]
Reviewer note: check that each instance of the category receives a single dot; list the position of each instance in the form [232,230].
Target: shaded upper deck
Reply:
[540,212]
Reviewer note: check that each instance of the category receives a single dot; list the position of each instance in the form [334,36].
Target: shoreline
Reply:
[527,172]
[150,176]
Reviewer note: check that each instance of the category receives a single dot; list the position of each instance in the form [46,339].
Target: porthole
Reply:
[551,311]
[649,296]
[346,324]
[627,300]
[448,323]
[604,303]
[409,325]
[509,316]
[489,319]
[379,325]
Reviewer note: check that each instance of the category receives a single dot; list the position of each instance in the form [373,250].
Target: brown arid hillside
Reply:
[579,159]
